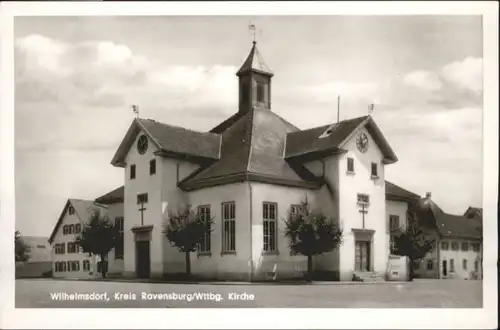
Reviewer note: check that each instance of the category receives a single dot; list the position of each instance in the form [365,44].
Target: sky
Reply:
[77,77]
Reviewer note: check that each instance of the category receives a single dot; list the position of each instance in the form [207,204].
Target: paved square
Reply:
[420,293]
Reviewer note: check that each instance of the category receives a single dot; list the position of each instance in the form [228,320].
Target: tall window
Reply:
[142,198]
[261,92]
[393,226]
[228,227]
[71,229]
[65,230]
[204,214]
[452,266]
[454,246]
[78,228]
[374,170]
[59,248]
[71,210]
[270,224]
[152,166]
[394,222]
[445,246]
[86,265]
[363,199]
[430,265]
[464,264]
[244,90]
[476,265]
[132,171]
[350,165]
[465,246]
[119,246]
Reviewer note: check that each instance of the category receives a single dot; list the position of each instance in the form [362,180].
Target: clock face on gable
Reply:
[362,142]
[142,144]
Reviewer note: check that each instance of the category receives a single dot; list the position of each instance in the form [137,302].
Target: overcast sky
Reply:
[76,79]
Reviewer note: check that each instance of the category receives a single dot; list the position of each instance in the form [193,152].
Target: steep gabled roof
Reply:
[451,225]
[113,197]
[171,141]
[253,149]
[83,210]
[396,193]
[330,139]
[255,62]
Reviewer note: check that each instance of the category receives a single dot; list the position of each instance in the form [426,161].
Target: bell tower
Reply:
[254,82]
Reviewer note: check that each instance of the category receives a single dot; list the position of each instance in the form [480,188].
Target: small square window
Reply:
[132,172]
[142,198]
[454,246]
[374,170]
[152,166]
[465,246]
[363,199]
[350,165]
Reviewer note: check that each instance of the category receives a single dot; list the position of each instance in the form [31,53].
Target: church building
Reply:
[248,173]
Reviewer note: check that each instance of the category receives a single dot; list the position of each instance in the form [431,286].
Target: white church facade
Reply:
[249,173]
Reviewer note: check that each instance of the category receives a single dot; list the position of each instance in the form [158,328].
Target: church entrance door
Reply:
[143,262]
[362,256]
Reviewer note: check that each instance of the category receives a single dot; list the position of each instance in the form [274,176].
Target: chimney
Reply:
[428,195]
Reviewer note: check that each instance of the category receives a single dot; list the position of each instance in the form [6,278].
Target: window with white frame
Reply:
[445,245]
[430,264]
[228,227]
[270,224]
[204,214]
[475,247]
[363,199]
[119,247]
[454,246]
[65,230]
[86,265]
[452,266]
[464,264]
[78,228]
[350,165]
[374,170]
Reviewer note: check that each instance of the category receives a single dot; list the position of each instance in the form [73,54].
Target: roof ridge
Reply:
[250,133]
[180,127]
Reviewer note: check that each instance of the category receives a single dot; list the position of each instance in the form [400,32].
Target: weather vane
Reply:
[135,109]
[251,27]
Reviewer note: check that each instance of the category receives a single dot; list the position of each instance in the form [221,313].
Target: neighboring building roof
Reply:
[330,139]
[83,210]
[451,225]
[252,149]
[396,193]
[113,197]
[172,141]
[255,62]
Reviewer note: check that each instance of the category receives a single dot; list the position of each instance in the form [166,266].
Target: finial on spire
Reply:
[251,27]
[135,109]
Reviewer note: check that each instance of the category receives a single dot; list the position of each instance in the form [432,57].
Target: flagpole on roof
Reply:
[338,108]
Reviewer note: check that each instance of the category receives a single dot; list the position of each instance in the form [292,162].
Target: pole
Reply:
[338,108]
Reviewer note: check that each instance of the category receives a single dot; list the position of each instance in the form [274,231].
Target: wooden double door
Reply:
[362,256]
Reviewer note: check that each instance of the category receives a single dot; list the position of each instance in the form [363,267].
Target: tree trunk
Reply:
[309,268]
[188,264]
[103,266]
[411,270]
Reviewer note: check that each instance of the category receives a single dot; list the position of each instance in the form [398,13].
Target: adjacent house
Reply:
[458,252]
[68,259]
